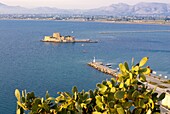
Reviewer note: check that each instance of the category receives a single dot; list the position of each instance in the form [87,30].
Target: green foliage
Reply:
[124,95]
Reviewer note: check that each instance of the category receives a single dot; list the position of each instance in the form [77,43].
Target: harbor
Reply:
[159,83]
[25,57]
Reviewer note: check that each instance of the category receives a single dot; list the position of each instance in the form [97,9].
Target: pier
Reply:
[100,67]
[152,81]
[165,104]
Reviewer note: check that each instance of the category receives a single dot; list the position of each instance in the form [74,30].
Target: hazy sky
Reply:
[73,4]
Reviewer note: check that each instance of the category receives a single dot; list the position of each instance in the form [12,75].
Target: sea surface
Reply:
[27,63]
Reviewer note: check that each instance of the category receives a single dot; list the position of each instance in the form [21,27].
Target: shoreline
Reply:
[97,21]
[137,23]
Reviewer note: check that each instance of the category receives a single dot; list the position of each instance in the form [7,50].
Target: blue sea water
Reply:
[27,63]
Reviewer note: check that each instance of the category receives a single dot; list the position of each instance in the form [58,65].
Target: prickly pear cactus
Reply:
[127,94]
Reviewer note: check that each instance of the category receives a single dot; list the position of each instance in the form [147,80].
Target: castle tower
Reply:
[56,35]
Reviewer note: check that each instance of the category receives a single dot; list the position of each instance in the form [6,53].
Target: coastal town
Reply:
[88,18]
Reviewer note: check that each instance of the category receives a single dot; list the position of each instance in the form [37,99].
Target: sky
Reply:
[73,4]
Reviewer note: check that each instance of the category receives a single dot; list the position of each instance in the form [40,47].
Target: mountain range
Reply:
[120,9]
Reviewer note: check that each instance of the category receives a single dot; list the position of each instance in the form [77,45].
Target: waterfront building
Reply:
[56,37]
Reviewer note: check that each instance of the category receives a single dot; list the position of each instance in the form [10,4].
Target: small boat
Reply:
[84,51]
[109,65]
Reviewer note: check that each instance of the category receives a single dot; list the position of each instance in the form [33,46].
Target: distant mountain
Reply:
[114,9]
[120,9]
[2,5]
[151,8]
[5,9]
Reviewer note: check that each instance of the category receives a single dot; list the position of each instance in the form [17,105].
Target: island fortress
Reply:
[65,39]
